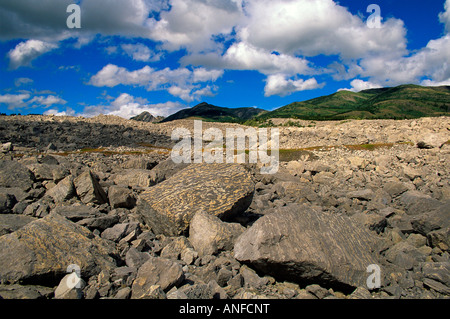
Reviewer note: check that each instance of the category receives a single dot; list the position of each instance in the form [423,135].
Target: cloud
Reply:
[192,23]
[22,81]
[111,75]
[14,101]
[444,17]
[431,62]
[25,52]
[140,52]
[278,84]
[360,85]
[180,82]
[47,101]
[127,106]
[310,28]
[68,112]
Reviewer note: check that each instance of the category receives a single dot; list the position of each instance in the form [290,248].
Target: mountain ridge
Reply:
[401,102]
[209,112]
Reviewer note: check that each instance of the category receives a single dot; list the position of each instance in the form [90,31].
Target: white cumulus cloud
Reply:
[278,84]
[25,52]
[127,106]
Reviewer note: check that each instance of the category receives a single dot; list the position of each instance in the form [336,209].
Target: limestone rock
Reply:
[14,174]
[135,178]
[209,235]
[303,245]
[156,271]
[88,189]
[222,190]
[43,249]
[63,191]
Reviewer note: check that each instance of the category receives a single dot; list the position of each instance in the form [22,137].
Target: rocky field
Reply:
[102,196]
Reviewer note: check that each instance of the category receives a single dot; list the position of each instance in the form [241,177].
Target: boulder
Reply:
[166,169]
[209,235]
[14,174]
[135,178]
[10,222]
[42,250]
[7,202]
[63,191]
[417,203]
[89,190]
[222,190]
[121,197]
[156,271]
[302,245]
[78,212]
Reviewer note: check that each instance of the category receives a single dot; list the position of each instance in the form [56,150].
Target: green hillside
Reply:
[402,102]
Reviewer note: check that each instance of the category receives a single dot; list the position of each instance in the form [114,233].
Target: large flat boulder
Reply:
[41,251]
[221,190]
[303,245]
[15,174]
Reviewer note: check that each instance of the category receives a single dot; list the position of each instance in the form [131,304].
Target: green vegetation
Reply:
[402,102]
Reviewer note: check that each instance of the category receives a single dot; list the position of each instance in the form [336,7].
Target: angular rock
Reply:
[222,190]
[121,197]
[24,292]
[67,289]
[166,169]
[117,232]
[42,250]
[63,191]
[156,271]
[89,190]
[395,188]
[417,203]
[209,235]
[432,220]
[7,202]
[14,174]
[135,178]
[7,147]
[439,271]
[302,245]
[10,222]
[76,213]
[364,194]
[41,171]
[101,223]
[175,248]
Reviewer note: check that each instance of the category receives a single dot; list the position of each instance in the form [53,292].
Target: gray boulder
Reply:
[222,190]
[121,197]
[156,271]
[302,245]
[63,191]
[89,190]
[14,174]
[209,235]
[43,249]
[11,222]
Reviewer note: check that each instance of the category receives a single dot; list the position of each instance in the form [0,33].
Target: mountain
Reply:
[147,117]
[401,102]
[208,112]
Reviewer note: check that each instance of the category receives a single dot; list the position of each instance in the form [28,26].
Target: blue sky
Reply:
[160,56]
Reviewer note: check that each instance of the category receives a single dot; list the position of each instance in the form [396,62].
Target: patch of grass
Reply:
[369,147]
